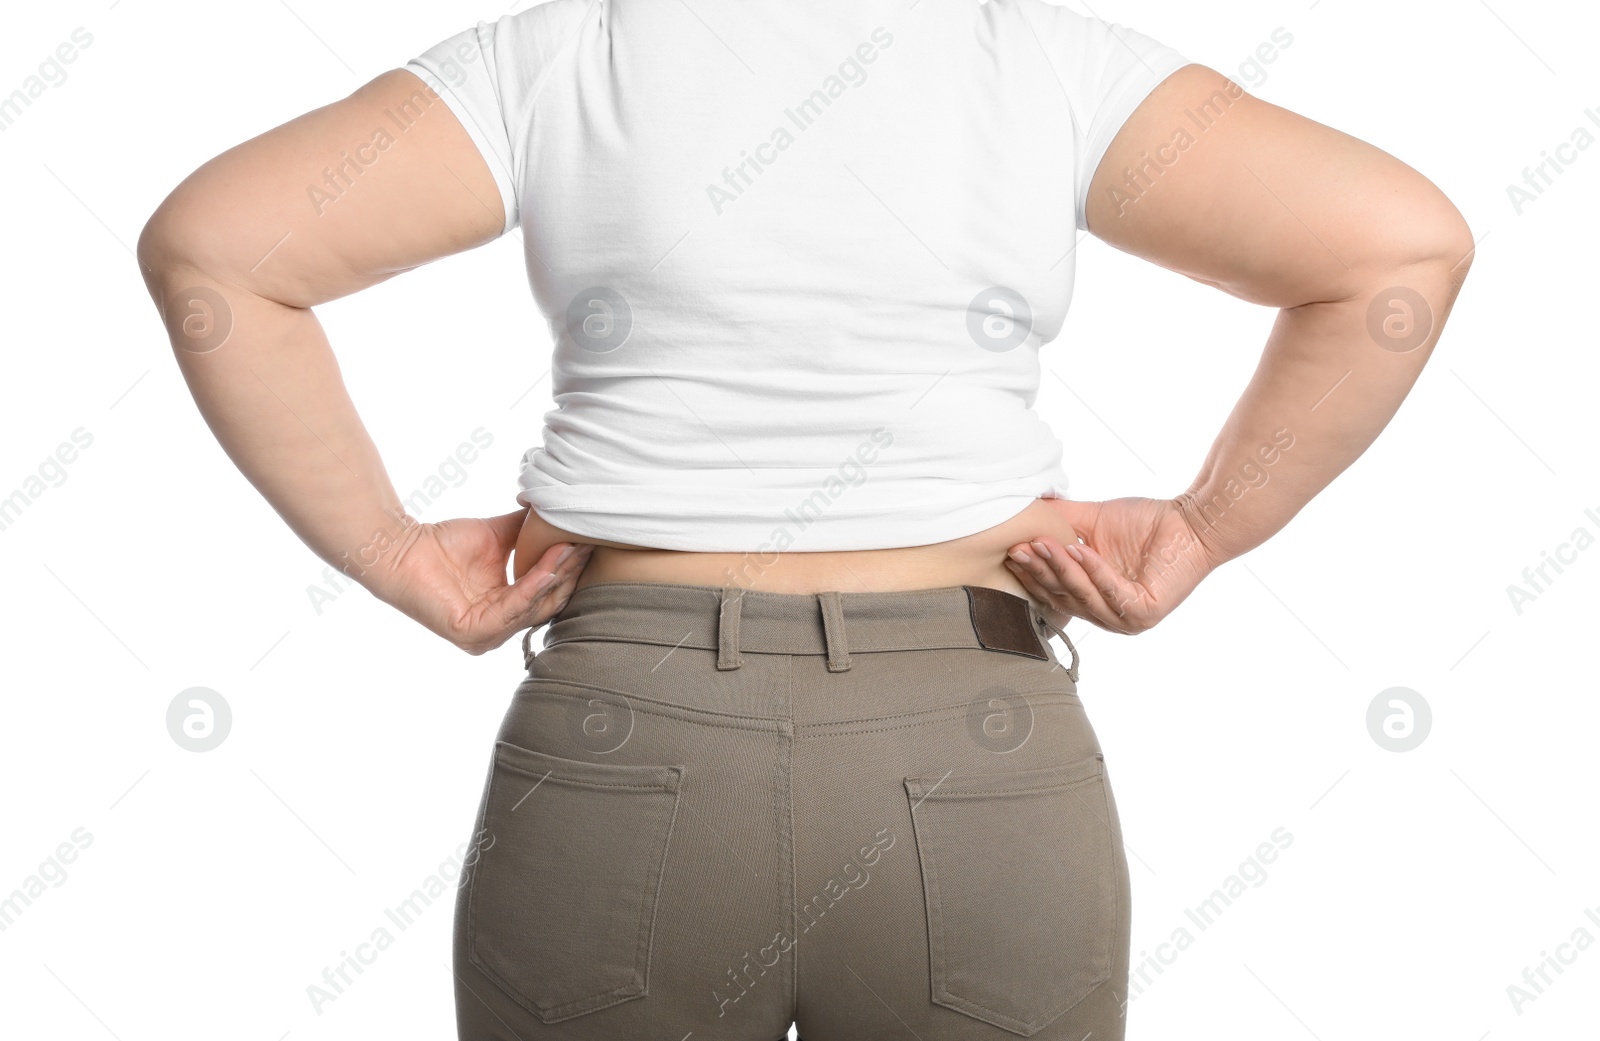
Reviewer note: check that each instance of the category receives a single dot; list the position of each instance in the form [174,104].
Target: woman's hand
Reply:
[451,577]
[1139,559]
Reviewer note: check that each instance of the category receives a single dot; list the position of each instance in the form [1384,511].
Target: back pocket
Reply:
[563,897]
[1019,882]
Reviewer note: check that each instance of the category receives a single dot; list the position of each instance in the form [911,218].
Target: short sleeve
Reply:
[464,70]
[1107,69]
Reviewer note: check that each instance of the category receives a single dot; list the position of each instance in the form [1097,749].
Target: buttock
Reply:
[716,812]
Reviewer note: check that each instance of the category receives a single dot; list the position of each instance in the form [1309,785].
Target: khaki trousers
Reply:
[712,813]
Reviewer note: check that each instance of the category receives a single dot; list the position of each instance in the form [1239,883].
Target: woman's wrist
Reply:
[1203,539]
[377,562]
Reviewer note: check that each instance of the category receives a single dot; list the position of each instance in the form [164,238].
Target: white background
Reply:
[217,887]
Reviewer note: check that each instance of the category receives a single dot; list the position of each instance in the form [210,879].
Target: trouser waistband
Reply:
[734,621]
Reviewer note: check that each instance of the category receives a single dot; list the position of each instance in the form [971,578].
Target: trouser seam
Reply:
[790,840]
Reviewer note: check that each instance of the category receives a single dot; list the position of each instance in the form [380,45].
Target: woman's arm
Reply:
[1363,256]
[236,256]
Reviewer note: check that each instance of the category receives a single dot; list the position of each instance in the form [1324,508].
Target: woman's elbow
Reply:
[1419,229]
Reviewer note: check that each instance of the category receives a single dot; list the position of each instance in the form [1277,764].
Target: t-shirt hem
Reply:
[830,534]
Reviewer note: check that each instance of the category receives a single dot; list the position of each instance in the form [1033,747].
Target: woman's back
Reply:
[798,260]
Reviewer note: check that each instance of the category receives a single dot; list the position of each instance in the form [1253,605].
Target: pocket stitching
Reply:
[1114,837]
[983,784]
[956,999]
[941,993]
[647,925]
[507,753]
[637,987]
[1013,791]
[640,703]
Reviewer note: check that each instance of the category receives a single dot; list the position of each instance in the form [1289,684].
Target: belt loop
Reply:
[527,650]
[728,629]
[1072,670]
[833,631]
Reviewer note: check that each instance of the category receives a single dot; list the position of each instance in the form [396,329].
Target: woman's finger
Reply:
[552,557]
[1041,575]
[527,601]
[1120,597]
[1035,589]
[1036,565]
[555,595]
[1078,589]
[1072,578]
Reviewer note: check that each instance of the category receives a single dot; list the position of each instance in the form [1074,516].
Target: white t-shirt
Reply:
[798,258]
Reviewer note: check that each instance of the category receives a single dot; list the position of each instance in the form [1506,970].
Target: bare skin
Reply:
[977,559]
[1268,206]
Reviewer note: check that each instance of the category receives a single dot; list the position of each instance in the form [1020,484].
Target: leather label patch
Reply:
[1003,622]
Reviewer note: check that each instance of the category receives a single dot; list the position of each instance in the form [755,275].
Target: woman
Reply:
[797,747]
